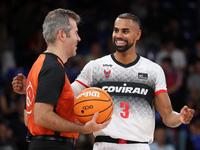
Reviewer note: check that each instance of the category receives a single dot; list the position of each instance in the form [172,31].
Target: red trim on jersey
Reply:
[82,83]
[160,91]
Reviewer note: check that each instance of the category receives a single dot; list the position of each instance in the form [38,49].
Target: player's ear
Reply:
[138,34]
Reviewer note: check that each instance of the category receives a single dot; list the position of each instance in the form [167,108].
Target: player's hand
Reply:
[92,126]
[19,84]
[186,115]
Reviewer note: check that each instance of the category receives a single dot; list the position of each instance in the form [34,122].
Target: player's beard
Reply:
[124,48]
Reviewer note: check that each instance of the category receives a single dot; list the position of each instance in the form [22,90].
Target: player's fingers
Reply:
[191,110]
[187,118]
[188,112]
[185,108]
[187,121]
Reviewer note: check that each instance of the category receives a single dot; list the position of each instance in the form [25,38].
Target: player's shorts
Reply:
[114,146]
[108,143]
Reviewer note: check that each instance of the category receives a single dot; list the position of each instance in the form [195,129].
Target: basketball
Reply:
[93,100]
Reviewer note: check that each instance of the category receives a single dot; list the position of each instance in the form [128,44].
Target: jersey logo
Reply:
[143,76]
[86,94]
[107,65]
[126,90]
[107,73]
[29,96]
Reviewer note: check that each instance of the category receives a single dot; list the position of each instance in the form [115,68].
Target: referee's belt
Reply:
[53,138]
[108,139]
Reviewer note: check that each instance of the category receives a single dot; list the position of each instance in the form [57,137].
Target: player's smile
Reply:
[120,42]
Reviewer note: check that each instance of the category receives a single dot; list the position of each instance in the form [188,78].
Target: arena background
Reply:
[168,26]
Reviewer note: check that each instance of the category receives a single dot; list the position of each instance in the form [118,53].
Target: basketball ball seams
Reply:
[91,100]
[108,115]
[100,90]
[93,114]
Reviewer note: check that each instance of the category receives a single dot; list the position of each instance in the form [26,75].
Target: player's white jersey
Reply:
[132,88]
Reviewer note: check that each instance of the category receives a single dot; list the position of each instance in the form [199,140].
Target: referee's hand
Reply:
[19,84]
[92,126]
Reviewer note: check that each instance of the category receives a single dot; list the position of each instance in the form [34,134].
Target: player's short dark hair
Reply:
[130,16]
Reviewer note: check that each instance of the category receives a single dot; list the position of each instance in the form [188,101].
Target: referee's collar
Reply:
[125,65]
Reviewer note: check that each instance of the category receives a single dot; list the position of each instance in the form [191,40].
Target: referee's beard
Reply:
[124,48]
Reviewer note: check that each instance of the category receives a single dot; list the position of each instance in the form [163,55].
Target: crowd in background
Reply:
[170,37]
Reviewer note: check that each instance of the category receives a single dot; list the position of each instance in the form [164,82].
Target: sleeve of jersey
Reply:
[85,77]
[160,85]
[50,84]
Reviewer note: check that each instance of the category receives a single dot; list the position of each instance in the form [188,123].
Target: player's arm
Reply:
[84,79]
[19,84]
[170,117]
[77,88]
[46,117]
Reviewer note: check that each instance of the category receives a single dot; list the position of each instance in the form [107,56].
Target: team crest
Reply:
[107,73]
[107,70]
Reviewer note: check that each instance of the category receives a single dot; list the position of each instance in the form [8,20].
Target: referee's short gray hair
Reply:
[57,20]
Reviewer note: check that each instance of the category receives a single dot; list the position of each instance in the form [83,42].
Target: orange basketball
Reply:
[93,100]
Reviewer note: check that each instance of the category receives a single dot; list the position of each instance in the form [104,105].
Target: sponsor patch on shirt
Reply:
[143,76]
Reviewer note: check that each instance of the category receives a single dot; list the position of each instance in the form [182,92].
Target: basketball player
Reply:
[137,87]
[49,96]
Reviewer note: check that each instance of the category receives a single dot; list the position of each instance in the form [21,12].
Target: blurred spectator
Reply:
[140,49]
[194,129]
[6,135]
[193,83]
[7,52]
[110,47]
[174,32]
[74,67]
[154,20]
[8,63]
[160,139]
[195,54]
[18,126]
[152,43]
[88,10]
[8,102]
[195,126]
[169,50]
[96,51]
[20,43]
[174,81]
[24,24]
[36,46]
[138,7]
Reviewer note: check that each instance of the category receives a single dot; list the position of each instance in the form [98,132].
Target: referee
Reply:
[49,111]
